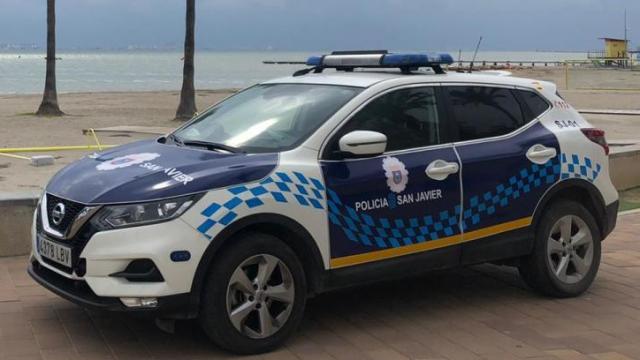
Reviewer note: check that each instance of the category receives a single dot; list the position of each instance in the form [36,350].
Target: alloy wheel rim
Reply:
[260,296]
[570,249]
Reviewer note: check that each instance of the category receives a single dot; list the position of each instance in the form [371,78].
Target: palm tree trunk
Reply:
[187,107]
[49,105]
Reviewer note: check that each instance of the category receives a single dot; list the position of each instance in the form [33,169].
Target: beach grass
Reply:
[630,199]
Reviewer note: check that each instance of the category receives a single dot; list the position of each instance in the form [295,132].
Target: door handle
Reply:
[540,154]
[440,169]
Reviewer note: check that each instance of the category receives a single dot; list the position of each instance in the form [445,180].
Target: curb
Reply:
[627,112]
[15,223]
[20,198]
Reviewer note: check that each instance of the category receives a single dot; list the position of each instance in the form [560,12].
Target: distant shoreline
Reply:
[179,50]
[122,92]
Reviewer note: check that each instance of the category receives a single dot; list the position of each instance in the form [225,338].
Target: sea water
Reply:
[23,71]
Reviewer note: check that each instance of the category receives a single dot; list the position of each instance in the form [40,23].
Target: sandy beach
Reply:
[19,128]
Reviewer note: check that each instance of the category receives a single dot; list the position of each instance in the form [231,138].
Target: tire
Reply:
[263,319]
[566,269]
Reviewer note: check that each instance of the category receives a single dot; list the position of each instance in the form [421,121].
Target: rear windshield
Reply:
[269,117]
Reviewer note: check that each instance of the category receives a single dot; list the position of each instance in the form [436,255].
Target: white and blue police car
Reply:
[365,166]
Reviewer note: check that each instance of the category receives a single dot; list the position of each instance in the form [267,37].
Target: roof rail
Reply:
[350,60]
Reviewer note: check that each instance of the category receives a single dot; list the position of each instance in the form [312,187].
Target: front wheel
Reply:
[566,254]
[254,296]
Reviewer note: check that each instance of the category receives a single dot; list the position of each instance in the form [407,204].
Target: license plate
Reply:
[54,251]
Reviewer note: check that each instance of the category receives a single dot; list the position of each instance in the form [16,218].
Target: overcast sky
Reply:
[326,24]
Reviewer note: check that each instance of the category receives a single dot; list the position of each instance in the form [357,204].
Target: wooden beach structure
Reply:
[615,53]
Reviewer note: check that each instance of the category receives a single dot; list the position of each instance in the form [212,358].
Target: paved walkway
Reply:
[482,312]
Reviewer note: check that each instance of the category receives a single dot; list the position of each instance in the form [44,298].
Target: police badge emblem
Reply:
[396,173]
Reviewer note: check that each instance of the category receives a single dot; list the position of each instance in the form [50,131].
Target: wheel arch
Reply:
[579,190]
[286,229]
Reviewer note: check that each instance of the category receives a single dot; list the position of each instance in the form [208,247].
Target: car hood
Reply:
[148,170]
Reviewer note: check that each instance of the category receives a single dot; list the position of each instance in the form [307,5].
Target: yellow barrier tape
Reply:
[95,137]
[16,156]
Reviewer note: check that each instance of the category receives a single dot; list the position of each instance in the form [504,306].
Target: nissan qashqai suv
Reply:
[363,166]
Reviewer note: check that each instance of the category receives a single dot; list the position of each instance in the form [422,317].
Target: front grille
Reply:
[77,244]
[71,211]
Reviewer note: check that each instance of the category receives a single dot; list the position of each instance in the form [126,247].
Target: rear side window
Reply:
[536,104]
[482,111]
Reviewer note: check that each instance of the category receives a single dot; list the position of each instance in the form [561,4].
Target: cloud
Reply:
[325,24]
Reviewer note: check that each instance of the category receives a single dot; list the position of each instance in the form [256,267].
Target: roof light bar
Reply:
[363,59]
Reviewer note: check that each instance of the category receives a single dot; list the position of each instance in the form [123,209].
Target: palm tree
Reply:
[49,105]
[187,106]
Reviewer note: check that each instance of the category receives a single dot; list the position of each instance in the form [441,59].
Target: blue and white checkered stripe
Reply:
[582,167]
[282,187]
[384,232]
[518,185]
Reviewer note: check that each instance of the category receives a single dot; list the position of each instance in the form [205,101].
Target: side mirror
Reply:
[363,143]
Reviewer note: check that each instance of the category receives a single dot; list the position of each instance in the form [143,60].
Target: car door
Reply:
[388,206]
[508,162]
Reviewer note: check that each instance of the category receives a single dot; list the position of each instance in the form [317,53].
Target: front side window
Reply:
[408,117]
[482,111]
[267,118]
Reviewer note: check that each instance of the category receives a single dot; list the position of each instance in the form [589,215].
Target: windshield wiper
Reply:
[211,145]
[205,144]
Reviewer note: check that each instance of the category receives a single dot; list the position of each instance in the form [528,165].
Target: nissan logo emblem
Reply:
[57,214]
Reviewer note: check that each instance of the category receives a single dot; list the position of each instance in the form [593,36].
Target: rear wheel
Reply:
[566,254]
[254,296]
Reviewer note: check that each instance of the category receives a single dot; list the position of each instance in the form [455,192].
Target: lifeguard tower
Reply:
[615,53]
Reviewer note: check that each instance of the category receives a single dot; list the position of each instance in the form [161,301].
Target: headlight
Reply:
[118,216]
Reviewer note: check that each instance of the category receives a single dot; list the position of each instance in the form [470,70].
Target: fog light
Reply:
[140,302]
[81,268]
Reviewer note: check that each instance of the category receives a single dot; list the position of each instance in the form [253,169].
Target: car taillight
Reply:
[597,136]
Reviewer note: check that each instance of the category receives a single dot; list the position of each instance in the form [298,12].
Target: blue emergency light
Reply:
[349,60]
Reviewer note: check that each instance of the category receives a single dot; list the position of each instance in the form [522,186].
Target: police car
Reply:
[364,166]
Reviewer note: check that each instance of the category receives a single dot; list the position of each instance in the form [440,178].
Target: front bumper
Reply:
[100,275]
[179,306]
[109,252]
[76,291]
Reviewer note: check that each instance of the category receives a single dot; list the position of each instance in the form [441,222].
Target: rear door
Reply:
[387,206]
[508,162]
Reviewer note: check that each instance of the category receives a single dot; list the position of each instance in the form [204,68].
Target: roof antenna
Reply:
[474,55]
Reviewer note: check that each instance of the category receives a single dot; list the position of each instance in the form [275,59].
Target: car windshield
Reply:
[266,118]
